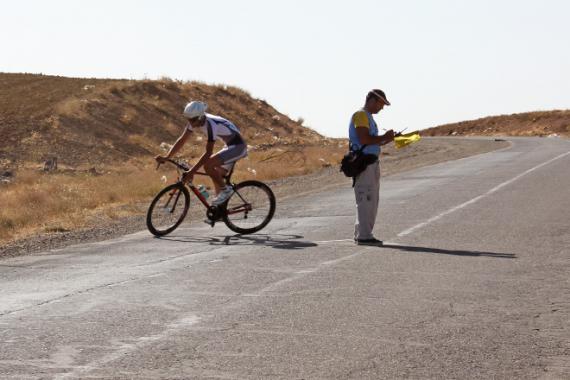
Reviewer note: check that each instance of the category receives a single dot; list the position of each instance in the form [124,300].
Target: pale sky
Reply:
[438,61]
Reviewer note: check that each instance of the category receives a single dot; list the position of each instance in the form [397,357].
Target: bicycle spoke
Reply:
[168,210]
[175,202]
[250,208]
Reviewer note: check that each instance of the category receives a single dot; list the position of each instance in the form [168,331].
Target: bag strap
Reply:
[359,150]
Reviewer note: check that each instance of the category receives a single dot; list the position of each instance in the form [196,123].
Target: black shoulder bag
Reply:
[355,162]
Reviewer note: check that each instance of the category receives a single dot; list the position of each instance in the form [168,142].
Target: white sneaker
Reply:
[223,196]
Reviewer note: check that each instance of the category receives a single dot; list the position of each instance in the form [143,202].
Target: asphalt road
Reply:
[473,283]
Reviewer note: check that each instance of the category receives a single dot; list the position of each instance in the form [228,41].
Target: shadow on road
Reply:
[450,251]
[278,241]
[293,242]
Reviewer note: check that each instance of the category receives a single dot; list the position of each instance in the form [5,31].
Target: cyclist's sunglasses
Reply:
[193,120]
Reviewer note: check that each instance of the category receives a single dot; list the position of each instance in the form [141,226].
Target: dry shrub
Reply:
[32,139]
[73,107]
[128,115]
[142,140]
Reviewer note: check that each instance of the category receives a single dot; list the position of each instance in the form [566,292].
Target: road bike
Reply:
[249,209]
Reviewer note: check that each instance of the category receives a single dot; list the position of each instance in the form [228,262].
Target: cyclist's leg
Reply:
[223,161]
[232,155]
[227,157]
[212,168]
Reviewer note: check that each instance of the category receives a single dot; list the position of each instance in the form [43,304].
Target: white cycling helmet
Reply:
[195,109]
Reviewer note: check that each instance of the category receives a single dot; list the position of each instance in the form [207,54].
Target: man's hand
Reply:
[389,135]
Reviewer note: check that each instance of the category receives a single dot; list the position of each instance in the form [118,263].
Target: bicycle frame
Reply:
[182,169]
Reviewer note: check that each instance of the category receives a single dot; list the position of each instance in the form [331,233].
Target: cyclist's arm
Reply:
[205,156]
[179,143]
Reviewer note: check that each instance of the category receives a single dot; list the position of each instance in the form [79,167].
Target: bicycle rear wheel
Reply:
[250,207]
[168,209]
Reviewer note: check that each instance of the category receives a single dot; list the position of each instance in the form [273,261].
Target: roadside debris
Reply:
[50,164]
[6,177]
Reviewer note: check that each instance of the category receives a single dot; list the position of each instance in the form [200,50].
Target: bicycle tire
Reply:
[154,223]
[265,206]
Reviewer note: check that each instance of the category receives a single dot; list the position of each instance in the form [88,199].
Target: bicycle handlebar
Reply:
[182,166]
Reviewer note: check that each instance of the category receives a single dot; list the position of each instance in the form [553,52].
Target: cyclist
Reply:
[216,165]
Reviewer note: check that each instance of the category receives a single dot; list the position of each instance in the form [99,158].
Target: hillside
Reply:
[89,122]
[541,123]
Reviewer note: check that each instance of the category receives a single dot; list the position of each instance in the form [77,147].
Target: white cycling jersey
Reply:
[216,127]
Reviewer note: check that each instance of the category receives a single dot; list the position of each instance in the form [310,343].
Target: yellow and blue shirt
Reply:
[363,119]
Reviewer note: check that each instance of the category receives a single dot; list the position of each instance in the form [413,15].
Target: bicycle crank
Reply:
[214,214]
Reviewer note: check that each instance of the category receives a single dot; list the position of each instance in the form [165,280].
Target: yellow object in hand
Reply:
[407,139]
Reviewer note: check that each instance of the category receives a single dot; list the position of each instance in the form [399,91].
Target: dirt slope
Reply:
[85,122]
[542,123]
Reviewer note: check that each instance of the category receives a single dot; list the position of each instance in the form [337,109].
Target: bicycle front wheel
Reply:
[168,209]
[250,207]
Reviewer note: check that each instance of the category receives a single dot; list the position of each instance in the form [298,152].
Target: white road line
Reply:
[477,198]
[126,348]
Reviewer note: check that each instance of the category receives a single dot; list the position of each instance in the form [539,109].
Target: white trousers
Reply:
[367,193]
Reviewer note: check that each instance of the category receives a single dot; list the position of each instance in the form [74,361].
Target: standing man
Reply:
[364,131]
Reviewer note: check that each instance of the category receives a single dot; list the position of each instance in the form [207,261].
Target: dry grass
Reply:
[290,161]
[37,202]
[72,107]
